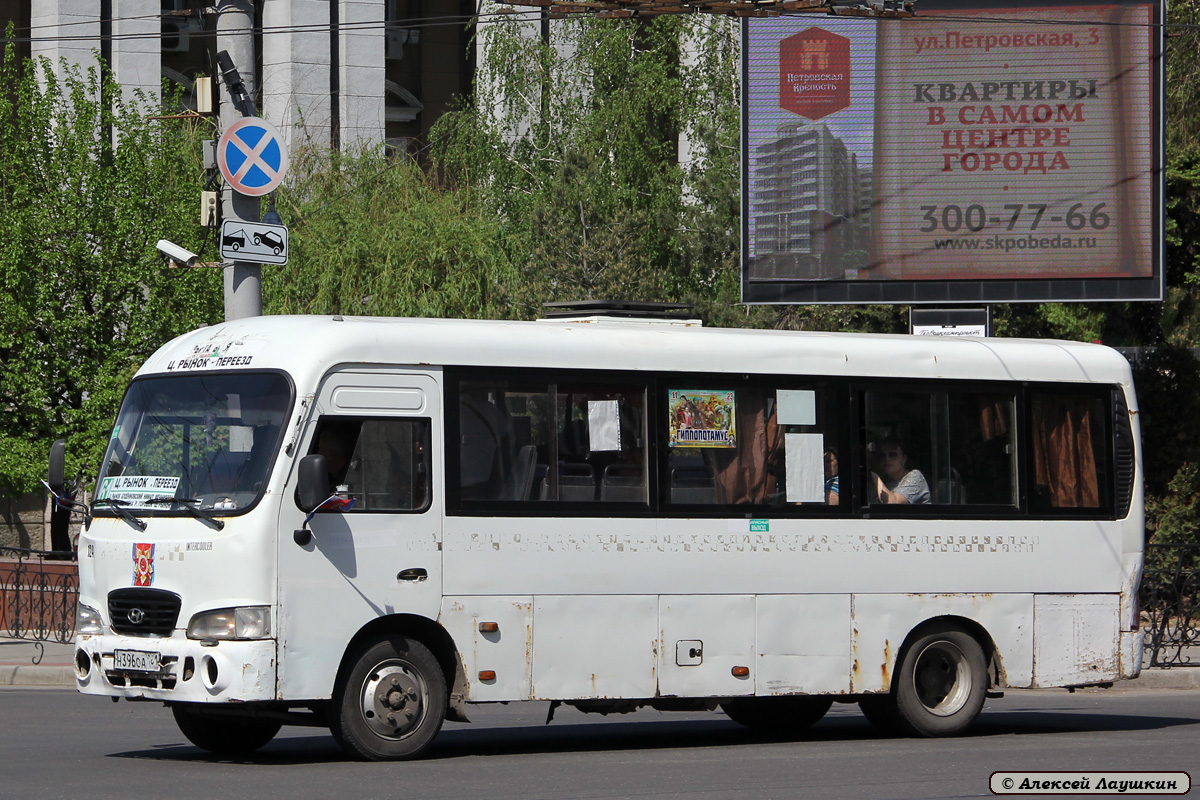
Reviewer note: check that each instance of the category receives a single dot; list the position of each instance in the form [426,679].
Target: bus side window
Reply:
[1068,451]
[752,445]
[522,440]
[486,445]
[600,438]
[980,467]
[810,418]
[381,464]
[945,448]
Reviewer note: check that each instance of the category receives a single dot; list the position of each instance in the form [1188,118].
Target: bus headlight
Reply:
[87,620]
[243,622]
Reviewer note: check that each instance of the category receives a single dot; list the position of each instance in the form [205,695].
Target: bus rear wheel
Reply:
[777,715]
[391,702]
[224,734]
[942,683]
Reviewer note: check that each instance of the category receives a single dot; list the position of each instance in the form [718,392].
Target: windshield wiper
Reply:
[185,504]
[122,512]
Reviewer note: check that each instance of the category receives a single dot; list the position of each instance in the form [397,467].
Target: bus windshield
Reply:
[201,440]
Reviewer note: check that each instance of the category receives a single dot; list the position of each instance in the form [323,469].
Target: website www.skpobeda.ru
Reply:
[1010,243]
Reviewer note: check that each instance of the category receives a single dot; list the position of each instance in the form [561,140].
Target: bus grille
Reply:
[143,612]
[1125,475]
[1126,466]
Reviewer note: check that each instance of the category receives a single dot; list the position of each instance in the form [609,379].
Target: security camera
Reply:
[177,254]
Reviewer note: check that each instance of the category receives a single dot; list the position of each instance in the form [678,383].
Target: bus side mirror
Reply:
[313,487]
[56,477]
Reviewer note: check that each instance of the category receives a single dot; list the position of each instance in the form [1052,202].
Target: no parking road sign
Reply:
[252,156]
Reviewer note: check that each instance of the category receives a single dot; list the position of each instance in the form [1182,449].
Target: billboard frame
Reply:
[975,290]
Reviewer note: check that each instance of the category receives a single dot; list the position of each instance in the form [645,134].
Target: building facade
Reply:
[328,73]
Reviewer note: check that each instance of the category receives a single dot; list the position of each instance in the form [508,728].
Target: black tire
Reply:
[223,733]
[942,683]
[257,239]
[777,715]
[391,702]
[235,247]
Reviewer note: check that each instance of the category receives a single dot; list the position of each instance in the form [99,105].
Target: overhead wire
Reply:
[530,15]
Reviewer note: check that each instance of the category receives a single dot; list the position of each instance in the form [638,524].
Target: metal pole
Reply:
[235,35]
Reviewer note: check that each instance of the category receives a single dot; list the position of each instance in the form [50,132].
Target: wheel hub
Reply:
[392,700]
[942,678]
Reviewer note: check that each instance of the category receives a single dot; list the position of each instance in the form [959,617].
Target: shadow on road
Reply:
[694,731]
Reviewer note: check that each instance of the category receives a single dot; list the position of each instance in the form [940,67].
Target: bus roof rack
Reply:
[620,311]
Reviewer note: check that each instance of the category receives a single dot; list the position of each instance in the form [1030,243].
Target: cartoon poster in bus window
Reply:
[701,418]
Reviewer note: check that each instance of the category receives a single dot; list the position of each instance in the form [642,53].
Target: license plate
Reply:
[135,660]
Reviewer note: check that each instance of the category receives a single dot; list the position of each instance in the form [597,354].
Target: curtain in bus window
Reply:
[993,416]
[1064,459]
[747,474]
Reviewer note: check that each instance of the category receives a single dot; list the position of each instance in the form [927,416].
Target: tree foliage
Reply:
[376,236]
[89,184]
[574,144]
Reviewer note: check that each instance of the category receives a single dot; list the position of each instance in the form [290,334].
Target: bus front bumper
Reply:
[175,668]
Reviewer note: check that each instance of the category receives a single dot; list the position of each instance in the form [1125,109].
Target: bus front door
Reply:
[375,548]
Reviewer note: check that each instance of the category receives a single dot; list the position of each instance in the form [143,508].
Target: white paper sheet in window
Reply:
[241,438]
[797,406]
[805,467]
[604,425]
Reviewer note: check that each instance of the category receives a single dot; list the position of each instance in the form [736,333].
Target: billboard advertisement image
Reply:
[976,152]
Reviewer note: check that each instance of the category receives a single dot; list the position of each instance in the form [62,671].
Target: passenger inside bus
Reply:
[892,481]
[832,494]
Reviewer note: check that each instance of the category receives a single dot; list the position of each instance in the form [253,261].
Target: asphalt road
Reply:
[57,744]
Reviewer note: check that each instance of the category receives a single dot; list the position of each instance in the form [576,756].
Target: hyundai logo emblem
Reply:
[136,616]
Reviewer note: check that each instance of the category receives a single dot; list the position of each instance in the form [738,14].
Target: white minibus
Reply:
[370,524]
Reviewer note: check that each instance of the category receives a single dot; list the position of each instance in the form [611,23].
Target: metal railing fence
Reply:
[38,593]
[1170,603]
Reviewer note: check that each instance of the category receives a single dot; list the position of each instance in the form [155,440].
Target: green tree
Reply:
[574,144]
[371,235]
[89,183]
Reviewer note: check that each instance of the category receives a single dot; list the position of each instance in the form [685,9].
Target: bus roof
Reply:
[304,345]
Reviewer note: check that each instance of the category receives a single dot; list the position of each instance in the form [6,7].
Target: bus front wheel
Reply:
[224,734]
[942,682]
[777,715]
[391,701]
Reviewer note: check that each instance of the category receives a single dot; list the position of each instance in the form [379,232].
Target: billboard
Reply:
[980,151]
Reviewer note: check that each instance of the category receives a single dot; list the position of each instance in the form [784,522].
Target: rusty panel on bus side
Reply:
[1076,639]
[705,638]
[594,646]
[803,644]
[493,635]
[882,622]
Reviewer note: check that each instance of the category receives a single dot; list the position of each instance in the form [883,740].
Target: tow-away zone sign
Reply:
[254,241]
